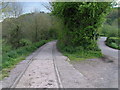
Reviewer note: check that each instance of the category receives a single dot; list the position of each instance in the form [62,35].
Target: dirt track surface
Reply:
[41,72]
[48,69]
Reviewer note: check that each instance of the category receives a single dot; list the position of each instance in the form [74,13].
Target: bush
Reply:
[109,30]
[114,45]
[71,49]
[113,42]
[14,56]
[80,22]
[6,48]
[25,42]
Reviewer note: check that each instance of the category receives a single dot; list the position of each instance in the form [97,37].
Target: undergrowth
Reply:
[12,57]
[79,53]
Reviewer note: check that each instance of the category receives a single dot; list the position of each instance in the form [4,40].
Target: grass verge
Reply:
[113,42]
[13,57]
[83,55]
[79,53]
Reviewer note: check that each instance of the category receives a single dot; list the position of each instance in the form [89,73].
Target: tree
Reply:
[5,9]
[48,6]
[3,5]
[16,9]
[11,9]
[81,20]
[36,27]
[15,37]
[114,14]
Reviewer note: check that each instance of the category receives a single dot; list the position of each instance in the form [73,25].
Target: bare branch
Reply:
[48,6]
[4,6]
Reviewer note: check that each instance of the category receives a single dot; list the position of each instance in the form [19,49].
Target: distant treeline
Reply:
[28,28]
[111,27]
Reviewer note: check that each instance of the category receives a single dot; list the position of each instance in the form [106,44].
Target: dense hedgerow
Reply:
[113,42]
[81,22]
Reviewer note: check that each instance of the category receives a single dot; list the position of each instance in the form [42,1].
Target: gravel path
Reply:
[70,77]
[41,72]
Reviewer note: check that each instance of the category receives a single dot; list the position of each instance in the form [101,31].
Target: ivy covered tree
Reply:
[81,22]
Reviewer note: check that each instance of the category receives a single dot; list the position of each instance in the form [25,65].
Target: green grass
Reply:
[13,57]
[83,55]
[79,53]
[113,42]
[10,65]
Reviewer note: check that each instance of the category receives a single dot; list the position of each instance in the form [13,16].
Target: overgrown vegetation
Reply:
[12,57]
[28,28]
[81,23]
[111,27]
[23,35]
[75,24]
[113,42]
[109,31]
[79,53]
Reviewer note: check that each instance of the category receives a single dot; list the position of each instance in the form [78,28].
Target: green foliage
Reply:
[6,48]
[113,15]
[79,53]
[15,36]
[52,33]
[113,42]
[25,42]
[81,21]
[111,26]
[28,28]
[22,35]
[109,30]
[11,58]
[82,55]
[114,45]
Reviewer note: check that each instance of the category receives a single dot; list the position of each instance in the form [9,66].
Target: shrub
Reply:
[109,30]
[81,22]
[113,42]
[13,56]
[114,45]
[25,42]
[6,48]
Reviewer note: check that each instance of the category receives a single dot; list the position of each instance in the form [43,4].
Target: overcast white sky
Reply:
[31,6]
